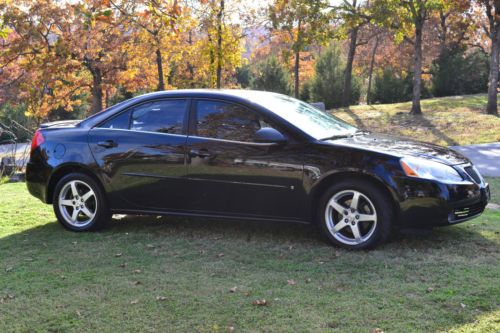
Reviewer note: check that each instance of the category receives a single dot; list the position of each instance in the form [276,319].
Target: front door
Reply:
[229,173]
[141,152]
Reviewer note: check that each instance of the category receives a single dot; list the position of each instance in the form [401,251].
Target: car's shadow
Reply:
[283,232]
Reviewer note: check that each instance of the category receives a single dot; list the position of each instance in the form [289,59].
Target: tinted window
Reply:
[122,121]
[226,121]
[161,116]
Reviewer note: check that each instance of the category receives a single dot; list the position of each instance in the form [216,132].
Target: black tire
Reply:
[101,210]
[384,213]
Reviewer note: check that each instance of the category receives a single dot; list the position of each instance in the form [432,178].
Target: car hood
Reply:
[401,147]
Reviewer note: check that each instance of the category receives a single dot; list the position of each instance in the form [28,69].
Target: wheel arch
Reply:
[65,169]
[330,179]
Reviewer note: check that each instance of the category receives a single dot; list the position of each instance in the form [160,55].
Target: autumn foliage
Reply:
[82,56]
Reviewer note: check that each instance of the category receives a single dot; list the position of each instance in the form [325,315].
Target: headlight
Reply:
[422,168]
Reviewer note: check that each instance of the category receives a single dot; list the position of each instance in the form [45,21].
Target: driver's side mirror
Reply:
[269,135]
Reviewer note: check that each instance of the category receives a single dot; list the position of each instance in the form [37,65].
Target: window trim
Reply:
[185,123]
[193,114]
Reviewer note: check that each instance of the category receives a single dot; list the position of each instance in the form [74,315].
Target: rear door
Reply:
[142,153]
[229,173]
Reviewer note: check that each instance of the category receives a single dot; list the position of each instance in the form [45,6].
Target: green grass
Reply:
[175,275]
[495,186]
[457,120]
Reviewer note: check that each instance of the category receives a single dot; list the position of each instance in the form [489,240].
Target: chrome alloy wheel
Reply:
[77,203]
[351,217]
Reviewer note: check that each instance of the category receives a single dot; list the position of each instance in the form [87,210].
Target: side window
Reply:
[226,121]
[165,116]
[122,121]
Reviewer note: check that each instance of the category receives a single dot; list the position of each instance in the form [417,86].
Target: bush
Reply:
[455,73]
[393,87]
[270,75]
[326,85]
[14,124]
[244,76]
[305,91]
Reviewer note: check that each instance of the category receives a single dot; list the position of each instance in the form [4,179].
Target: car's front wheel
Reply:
[355,214]
[79,203]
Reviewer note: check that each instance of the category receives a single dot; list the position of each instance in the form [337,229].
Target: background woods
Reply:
[68,59]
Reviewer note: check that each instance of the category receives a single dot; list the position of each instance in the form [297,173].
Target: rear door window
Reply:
[166,116]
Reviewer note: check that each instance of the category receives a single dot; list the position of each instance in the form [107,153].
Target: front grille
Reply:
[471,171]
[466,212]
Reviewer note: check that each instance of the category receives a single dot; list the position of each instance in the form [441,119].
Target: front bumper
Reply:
[428,203]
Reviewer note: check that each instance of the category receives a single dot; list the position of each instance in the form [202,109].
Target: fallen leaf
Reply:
[378,330]
[332,324]
[233,289]
[118,255]
[430,290]
[463,305]
[9,269]
[291,282]
[230,329]
[78,313]
[308,280]
[28,259]
[150,246]
[259,302]
[123,265]
[136,271]
[220,255]
[135,301]
[248,293]
[161,298]
[62,277]
[136,283]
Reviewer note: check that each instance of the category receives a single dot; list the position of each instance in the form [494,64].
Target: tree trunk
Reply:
[417,70]
[189,65]
[219,44]
[346,89]
[491,107]
[296,68]
[159,65]
[96,90]
[370,74]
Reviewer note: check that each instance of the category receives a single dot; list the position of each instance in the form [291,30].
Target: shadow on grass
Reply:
[422,121]
[403,118]
[357,120]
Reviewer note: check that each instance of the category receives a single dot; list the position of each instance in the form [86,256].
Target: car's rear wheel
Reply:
[355,214]
[79,203]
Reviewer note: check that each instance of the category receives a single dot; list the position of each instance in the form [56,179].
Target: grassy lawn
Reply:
[192,275]
[450,121]
[495,186]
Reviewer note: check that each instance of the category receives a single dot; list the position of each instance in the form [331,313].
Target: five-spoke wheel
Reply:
[351,217]
[355,214]
[79,203]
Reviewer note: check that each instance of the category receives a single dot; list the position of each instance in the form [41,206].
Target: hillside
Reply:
[450,121]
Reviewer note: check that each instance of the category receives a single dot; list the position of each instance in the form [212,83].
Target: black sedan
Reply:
[244,154]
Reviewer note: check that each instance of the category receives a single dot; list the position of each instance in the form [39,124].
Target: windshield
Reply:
[316,123]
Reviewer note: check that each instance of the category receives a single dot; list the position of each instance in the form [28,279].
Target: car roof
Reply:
[248,97]
[241,93]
